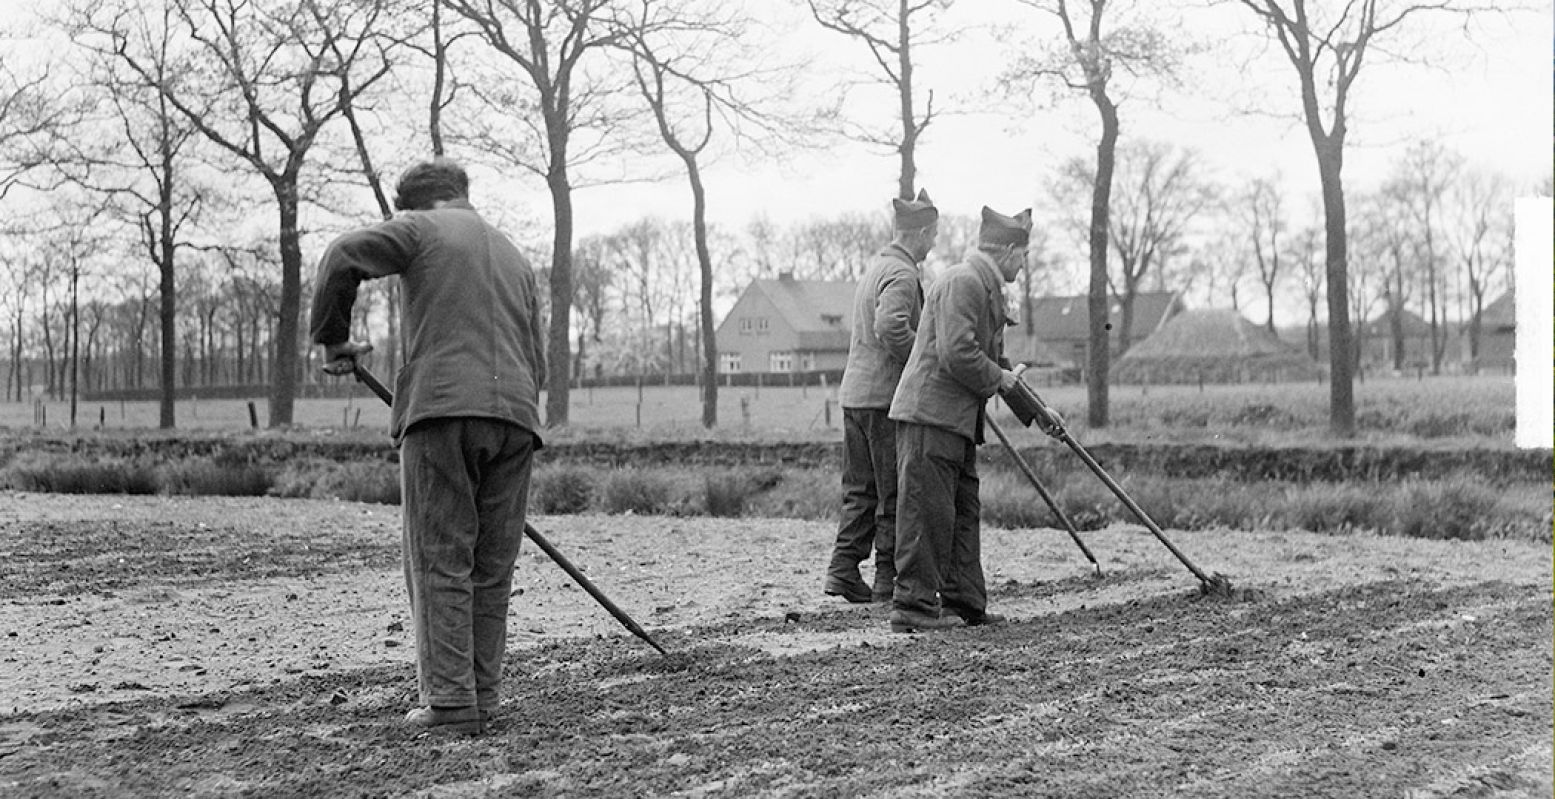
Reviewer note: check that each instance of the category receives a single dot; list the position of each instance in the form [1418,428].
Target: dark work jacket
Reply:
[955,362]
[886,306]
[470,310]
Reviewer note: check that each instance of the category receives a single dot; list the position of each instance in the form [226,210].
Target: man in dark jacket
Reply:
[955,366]
[465,418]
[886,305]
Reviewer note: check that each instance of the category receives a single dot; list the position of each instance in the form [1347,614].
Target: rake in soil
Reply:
[377,387]
[1029,408]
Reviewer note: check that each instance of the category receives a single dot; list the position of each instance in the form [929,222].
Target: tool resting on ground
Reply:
[1030,409]
[377,387]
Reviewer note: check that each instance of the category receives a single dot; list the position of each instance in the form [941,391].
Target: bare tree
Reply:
[1263,212]
[890,32]
[1158,195]
[134,51]
[692,81]
[1419,186]
[1482,239]
[1307,249]
[1326,43]
[1098,37]
[267,80]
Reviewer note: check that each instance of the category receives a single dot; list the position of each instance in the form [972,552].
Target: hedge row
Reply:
[1329,463]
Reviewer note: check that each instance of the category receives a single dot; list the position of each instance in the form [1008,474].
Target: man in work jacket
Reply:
[955,366]
[465,418]
[886,306]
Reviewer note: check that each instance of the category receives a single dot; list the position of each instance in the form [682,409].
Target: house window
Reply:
[761,324]
[780,362]
[807,362]
[745,327]
[728,362]
[831,319]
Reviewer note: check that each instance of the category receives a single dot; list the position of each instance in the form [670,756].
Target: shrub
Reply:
[68,475]
[1331,508]
[813,494]
[1455,509]
[361,481]
[562,490]
[1009,501]
[727,494]
[206,477]
[634,491]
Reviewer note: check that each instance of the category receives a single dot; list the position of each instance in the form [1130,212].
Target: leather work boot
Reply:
[458,720]
[885,584]
[909,621]
[852,590]
[974,620]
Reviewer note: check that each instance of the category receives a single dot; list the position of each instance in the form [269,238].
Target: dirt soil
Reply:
[158,646]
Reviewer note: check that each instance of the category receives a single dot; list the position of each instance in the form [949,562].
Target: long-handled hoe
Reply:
[1052,505]
[372,382]
[1028,408]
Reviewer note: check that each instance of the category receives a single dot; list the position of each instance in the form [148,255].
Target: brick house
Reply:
[785,326]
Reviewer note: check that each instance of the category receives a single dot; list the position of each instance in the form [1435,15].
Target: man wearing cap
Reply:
[886,306]
[465,418]
[955,366]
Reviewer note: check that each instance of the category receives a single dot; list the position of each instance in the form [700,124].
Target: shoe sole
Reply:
[857,599]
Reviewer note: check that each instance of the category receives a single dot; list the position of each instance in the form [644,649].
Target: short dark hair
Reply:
[430,181]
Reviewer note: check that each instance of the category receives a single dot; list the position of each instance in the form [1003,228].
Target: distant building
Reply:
[786,325]
[1378,346]
[1497,335]
[1056,330]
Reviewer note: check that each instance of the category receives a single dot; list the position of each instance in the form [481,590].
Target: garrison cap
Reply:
[914,214]
[1003,231]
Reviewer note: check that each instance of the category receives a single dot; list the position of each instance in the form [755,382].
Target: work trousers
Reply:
[868,497]
[938,537]
[465,485]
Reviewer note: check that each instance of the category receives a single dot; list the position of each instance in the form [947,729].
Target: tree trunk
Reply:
[909,173]
[1099,357]
[705,309]
[558,357]
[1341,388]
[283,385]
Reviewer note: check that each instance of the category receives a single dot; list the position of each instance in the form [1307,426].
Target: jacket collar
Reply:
[898,251]
[993,280]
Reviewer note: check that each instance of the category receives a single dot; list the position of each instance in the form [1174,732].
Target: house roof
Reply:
[1214,337]
[819,312]
[1059,318]
[1216,333]
[1413,325]
[1500,313]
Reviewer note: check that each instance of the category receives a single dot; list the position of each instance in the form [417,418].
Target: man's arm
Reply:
[378,251]
[894,311]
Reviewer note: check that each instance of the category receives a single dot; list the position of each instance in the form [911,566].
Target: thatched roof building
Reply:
[1212,346]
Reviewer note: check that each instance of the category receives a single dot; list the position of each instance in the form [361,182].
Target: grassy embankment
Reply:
[1442,416]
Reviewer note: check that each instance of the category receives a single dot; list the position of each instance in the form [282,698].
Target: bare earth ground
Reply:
[154,646]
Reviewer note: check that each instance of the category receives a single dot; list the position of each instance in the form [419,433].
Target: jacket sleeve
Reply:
[956,322]
[537,337]
[386,248]
[896,309]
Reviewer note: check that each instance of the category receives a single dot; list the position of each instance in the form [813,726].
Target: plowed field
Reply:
[157,646]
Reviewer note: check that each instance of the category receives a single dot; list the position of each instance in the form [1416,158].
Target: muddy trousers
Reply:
[938,538]
[868,497]
[465,485]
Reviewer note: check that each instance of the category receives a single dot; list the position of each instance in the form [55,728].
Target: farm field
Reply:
[1480,408]
[158,646]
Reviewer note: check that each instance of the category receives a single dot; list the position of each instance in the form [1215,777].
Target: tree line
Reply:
[171,163]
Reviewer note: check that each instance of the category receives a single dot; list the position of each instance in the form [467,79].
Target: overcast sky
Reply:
[1492,103]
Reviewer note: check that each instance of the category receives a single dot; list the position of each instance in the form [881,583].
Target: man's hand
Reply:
[340,359]
[1007,381]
